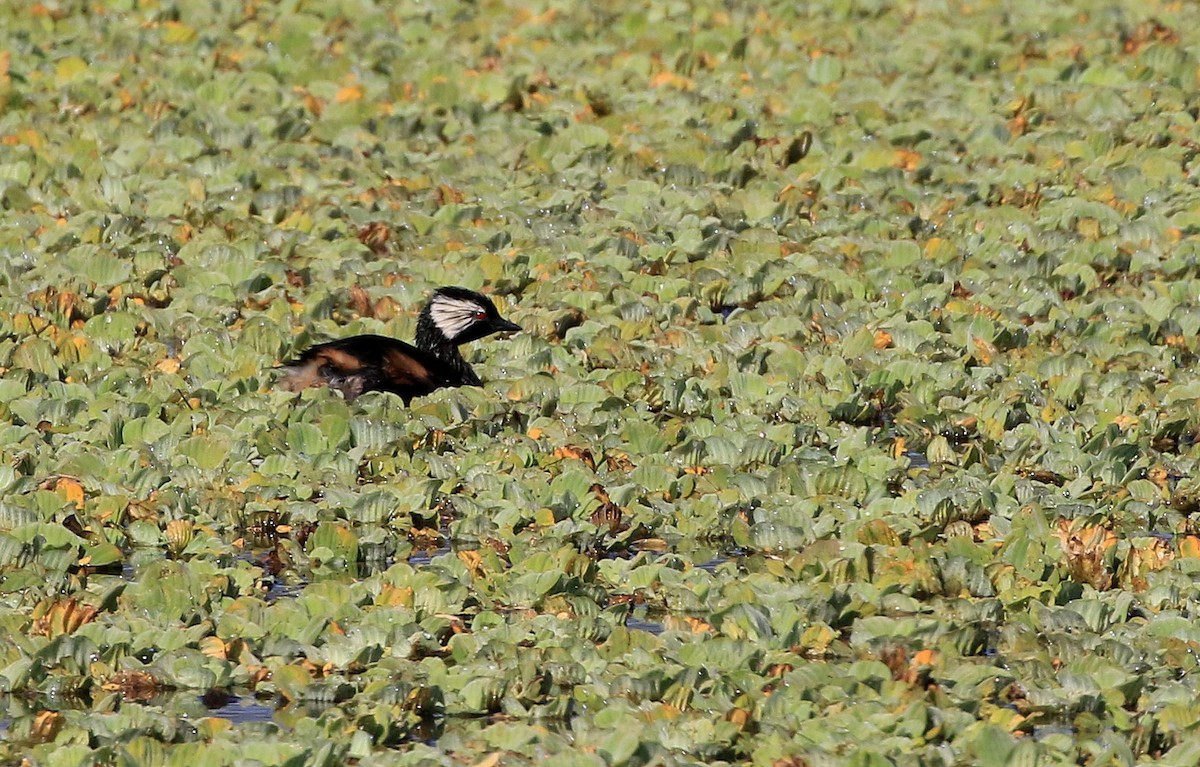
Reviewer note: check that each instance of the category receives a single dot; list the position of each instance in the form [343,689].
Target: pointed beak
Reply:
[504,326]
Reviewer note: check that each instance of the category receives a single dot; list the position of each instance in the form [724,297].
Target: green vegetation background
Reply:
[854,422]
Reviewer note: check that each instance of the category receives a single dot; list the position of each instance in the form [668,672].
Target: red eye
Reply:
[481,315]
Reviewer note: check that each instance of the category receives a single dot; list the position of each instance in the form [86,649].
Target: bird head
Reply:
[457,315]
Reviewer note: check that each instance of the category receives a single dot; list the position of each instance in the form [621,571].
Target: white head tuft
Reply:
[453,316]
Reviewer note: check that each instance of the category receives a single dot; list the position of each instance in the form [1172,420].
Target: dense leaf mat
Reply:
[854,421]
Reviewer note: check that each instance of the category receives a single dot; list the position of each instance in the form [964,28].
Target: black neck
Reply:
[431,339]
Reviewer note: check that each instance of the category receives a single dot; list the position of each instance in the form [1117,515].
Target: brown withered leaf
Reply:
[133,685]
[1144,559]
[619,462]
[60,617]
[1085,549]
[46,726]
[361,302]
[1042,475]
[425,538]
[697,626]
[386,308]
[473,562]
[984,352]
[446,194]
[577,454]
[608,515]
[375,236]
[1148,31]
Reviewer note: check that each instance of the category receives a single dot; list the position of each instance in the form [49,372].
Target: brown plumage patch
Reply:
[302,376]
[402,370]
[309,371]
[340,361]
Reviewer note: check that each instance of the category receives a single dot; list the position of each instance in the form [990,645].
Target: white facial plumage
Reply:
[454,315]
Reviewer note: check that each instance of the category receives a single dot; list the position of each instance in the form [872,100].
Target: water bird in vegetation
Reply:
[452,317]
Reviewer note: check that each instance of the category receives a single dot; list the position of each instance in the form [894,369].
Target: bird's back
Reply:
[374,363]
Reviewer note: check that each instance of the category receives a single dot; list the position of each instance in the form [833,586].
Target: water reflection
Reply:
[238,709]
[649,626]
[917,459]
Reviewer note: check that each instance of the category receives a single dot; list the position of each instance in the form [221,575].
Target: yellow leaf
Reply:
[473,562]
[178,32]
[211,726]
[395,596]
[170,366]
[1189,547]
[69,69]
[213,647]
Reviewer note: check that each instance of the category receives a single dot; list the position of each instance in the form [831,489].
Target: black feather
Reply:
[377,363]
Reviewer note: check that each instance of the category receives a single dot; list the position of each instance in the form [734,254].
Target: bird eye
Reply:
[481,315]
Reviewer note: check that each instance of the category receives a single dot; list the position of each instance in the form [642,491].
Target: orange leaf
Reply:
[907,159]
[1189,546]
[349,93]
[984,351]
[72,490]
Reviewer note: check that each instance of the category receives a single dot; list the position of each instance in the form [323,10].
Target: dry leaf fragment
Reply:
[46,726]
[133,685]
[360,302]
[64,616]
[576,453]
[1189,546]
[698,626]
[214,647]
[375,236]
[349,93]
[473,562]
[984,351]
[1085,550]
[608,515]
[71,489]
